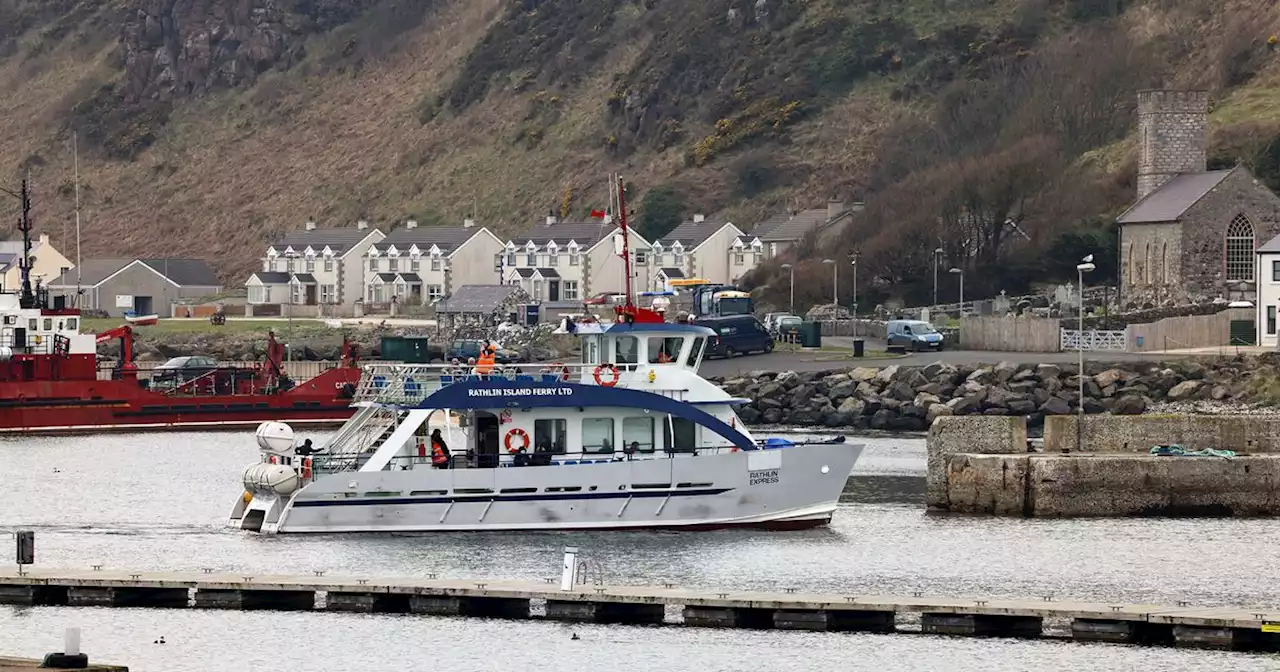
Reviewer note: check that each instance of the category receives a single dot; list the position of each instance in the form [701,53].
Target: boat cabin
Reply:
[632,346]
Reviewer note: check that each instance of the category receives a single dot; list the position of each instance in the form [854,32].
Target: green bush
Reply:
[661,210]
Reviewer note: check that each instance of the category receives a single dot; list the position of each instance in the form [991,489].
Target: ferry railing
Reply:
[409,384]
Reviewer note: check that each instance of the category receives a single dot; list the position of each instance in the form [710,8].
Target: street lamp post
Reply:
[854,264]
[961,274]
[835,285]
[1080,271]
[791,305]
[937,261]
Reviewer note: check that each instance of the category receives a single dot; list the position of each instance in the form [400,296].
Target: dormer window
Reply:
[677,254]
[311,264]
[436,262]
[531,259]
[393,264]
[328,264]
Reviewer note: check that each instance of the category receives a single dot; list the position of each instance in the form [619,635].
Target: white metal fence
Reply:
[1094,339]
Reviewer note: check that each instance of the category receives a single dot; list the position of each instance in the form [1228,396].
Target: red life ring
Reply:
[613,380]
[306,468]
[524,440]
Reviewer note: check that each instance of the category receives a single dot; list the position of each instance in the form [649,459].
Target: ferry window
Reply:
[48,324]
[33,324]
[71,323]
[549,436]
[696,351]
[591,351]
[664,350]
[685,436]
[597,435]
[637,435]
[626,349]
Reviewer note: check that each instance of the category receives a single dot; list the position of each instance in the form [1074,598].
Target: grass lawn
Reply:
[202,325]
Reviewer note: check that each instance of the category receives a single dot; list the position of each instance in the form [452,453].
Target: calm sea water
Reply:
[158,501]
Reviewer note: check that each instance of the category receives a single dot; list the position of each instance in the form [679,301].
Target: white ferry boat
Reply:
[630,437]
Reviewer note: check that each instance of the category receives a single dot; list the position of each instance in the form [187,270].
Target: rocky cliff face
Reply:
[186,47]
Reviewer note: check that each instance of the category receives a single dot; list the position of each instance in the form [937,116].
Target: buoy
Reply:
[247,496]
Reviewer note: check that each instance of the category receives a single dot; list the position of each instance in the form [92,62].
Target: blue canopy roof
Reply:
[659,327]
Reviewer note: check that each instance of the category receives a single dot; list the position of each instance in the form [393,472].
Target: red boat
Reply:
[51,381]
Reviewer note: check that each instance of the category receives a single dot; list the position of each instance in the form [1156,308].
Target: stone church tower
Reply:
[1191,236]
[1172,138]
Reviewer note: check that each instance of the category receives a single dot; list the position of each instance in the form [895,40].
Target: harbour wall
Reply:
[984,465]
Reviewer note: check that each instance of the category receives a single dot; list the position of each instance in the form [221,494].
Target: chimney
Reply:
[834,208]
[362,224]
[468,223]
[697,219]
[411,224]
[44,239]
[551,220]
[310,225]
[1171,137]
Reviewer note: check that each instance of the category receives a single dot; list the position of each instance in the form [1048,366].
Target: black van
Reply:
[736,335]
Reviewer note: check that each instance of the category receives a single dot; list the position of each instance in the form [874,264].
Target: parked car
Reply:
[470,348]
[736,335]
[770,320]
[912,335]
[787,327]
[181,369]
[604,299]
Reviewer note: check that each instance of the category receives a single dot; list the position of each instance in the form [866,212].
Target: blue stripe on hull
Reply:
[620,494]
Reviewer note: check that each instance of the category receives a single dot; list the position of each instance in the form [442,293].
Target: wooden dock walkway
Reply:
[1238,628]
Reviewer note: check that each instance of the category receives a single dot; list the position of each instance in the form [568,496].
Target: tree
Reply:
[661,210]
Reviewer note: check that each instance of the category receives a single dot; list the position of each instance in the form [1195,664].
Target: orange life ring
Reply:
[613,380]
[306,468]
[524,440]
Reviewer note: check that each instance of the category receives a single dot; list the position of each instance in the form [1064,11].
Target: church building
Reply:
[1192,234]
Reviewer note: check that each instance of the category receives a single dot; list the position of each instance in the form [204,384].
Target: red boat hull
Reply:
[70,406]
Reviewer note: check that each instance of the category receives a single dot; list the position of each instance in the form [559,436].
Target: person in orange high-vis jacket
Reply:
[439,451]
[485,364]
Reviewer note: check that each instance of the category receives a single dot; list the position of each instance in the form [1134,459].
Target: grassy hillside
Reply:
[210,127]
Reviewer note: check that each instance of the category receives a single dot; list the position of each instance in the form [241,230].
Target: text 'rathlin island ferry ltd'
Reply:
[631,437]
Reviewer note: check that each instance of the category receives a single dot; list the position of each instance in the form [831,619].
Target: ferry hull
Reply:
[789,488]
[69,407]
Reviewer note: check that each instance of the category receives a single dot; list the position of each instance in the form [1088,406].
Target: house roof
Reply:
[304,278]
[691,234]
[1173,198]
[550,273]
[387,277]
[410,277]
[525,272]
[672,273]
[787,227]
[92,271]
[447,238]
[483,299]
[271,277]
[7,260]
[185,272]
[585,234]
[1272,245]
[339,240]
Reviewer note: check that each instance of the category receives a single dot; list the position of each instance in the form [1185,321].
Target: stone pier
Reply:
[367,603]
[834,620]
[479,607]
[728,617]
[283,600]
[103,596]
[605,612]
[980,625]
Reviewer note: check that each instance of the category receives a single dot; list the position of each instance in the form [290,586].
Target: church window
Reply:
[1239,249]
[1146,264]
[1164,263]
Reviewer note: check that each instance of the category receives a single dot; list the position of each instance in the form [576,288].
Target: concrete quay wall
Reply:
[982,465]
[1138,433]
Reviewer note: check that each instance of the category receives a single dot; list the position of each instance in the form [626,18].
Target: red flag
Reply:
[597,214]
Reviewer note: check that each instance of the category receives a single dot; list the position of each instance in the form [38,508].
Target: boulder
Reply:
[834,379]
[787,379]
[925,400]
[766,403]
[998,397]
[936,410]
[909,410]
[1129,404]
[769,390]
[887,374]
[996,411]
[907,423]
[749,415]
[981,376]
[1048,371]
[965,405]
[1184,390]
[1004,371]
[938,371]
[773,416]
[900,391]
[1055,406]
[842,390]
[1219,392]
[1092,405]
[852,406]
[882,419]
[863,373]
[1024,374]
[912,377]
[1108,378]
[1022,406]
[932,388]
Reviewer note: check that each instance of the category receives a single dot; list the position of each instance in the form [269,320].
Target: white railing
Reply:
[409,384]
[1094,340]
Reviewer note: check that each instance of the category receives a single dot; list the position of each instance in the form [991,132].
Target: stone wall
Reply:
[1151,267]
[1137,434]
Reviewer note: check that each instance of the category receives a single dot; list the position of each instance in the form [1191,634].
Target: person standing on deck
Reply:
[487,358]
[440,455]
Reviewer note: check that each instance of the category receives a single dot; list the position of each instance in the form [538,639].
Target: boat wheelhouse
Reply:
[629,437]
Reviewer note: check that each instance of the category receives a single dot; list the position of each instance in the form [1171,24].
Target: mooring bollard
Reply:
[26,548]
[70,657]
[569,573]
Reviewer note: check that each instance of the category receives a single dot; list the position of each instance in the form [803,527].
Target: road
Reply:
[835,356]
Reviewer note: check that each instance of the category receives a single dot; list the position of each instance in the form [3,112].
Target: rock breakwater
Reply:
[909,398]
